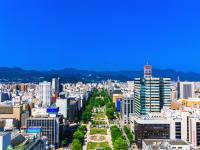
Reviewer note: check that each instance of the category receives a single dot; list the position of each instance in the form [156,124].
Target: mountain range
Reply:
[75,75]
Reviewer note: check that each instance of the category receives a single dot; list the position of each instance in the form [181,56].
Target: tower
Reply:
[147,71]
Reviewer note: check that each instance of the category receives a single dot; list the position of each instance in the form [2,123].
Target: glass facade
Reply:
[151,94]
[198,133]
[178,130]
[49,126]
[151,131]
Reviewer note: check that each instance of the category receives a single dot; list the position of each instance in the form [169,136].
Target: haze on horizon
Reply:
[100,35]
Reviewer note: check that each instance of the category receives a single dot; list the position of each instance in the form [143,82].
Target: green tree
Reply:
[79,135]
[115,133]
[86,116]
[76,145]
[120,144]
[107,148]
[129,134]
[110,113]
[83,128]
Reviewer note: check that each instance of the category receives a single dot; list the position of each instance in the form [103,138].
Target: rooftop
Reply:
[155,143]
[4,133]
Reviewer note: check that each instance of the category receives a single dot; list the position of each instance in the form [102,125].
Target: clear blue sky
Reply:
[100,34]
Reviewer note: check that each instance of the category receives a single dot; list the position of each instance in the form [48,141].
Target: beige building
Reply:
[11,112]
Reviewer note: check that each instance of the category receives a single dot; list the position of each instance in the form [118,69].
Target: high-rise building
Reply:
[165,92]
[127,107]
[186,90]
[55,85]
[151,94]
[45,93]
[64,106]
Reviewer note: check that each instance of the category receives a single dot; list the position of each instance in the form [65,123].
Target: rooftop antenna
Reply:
[147,71]
[178,79]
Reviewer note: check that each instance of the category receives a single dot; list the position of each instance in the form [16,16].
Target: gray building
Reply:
[50,125]
[127,108]
[56,85]
[186,90]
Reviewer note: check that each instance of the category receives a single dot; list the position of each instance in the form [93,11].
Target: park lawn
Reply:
[98,131]
[99,122]
[94,145]
[99,116]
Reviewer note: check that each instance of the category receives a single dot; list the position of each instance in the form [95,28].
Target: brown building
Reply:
[23,87]
[11,112]
[20,87]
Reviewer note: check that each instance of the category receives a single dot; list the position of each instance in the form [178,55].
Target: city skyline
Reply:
[104,35]
[106,75]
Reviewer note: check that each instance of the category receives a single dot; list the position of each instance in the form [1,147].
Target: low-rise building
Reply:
[150,127]
[11,112]
[190,102]
[50,125]
[181,124]
[158,144]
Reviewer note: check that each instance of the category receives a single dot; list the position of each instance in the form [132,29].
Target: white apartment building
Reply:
[186,90]
[64,106]
[45,93]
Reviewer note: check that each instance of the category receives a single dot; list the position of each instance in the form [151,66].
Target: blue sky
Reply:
[100,34]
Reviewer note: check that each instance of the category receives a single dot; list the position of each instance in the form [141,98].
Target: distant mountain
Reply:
[75,75]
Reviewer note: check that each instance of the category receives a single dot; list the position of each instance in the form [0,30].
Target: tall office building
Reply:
[151,94]
[64,107]
[165,92]
[185,90]
[45,93]
[56,85]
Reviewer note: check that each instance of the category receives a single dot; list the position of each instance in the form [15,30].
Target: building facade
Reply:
[50,128]
[5,138]
[169,124]
[186,90]
[45,93]
[64,107]
[55,85]
[151,94]
[127,108]
[152,127]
